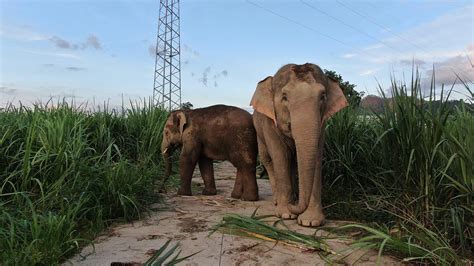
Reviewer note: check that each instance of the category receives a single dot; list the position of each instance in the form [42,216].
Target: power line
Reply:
[313,29]
[371,20]
[375,23]
[297,23]
[349,25]
[307,27]
[379,25]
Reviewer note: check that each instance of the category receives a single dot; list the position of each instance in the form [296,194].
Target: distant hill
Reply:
[372,103]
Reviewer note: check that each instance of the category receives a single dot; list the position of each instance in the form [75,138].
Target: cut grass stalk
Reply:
[255,227]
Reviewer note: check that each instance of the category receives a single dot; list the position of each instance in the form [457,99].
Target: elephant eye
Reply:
[284,97]
[323,97]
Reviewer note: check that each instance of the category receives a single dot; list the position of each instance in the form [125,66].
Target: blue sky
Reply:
[102,50]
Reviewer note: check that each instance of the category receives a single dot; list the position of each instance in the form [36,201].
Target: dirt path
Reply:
[188,220]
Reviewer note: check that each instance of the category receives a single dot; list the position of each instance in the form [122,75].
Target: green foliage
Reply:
[162,258]
[65,173]
[410,168]
[410,240]
[353,96]
[187,106]
[256,227]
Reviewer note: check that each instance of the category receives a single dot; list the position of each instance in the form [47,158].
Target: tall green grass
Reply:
[66,173]
[410,170]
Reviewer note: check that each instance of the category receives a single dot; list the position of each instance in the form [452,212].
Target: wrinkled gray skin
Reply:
[290,111]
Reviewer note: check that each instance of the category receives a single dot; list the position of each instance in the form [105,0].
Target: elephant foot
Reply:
[313,216]
[184,192]
[283,212]
[236,193]
[249,196]
[209,191]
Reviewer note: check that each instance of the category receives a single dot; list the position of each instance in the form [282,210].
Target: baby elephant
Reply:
[217,132]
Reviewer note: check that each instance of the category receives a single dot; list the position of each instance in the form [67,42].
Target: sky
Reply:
[103,50]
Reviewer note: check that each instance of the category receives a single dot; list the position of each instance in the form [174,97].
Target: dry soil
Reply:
[187,219]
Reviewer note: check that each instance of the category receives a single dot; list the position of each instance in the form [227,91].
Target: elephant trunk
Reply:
[306,130]
[167,162]
[166,151]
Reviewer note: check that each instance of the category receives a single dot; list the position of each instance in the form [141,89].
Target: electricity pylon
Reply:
[167,83]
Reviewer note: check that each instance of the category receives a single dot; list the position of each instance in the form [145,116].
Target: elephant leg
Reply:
[282,184]
[294,180]
[313,215]
[249,183]
[281,163]
[267,163]
[238,186]
[207,172]
[187,163]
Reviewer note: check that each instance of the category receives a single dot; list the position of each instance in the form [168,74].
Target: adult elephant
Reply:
[291,109]
[216,132]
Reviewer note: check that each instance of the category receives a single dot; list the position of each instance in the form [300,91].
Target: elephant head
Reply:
[299,99]
[172,137]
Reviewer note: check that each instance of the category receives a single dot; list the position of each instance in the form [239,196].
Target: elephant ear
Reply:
[181,121]
[262,100]
[335,99]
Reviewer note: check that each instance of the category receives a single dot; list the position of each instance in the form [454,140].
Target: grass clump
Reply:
[410,170]
[66,173]
[161,258]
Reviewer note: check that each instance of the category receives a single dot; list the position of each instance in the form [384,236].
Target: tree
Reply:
[353,96]
[187,106]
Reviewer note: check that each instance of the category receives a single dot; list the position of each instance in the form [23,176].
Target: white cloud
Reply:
[64,55]
[444,43]
[416,62]
[7,90]
[442,31]
[470,48]
[439,39]
[373,47]
[350,55]
[15,93]
[24,33]
[368,72]
[447,71]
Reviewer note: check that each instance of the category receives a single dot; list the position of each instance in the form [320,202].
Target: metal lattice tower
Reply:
[167,83]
